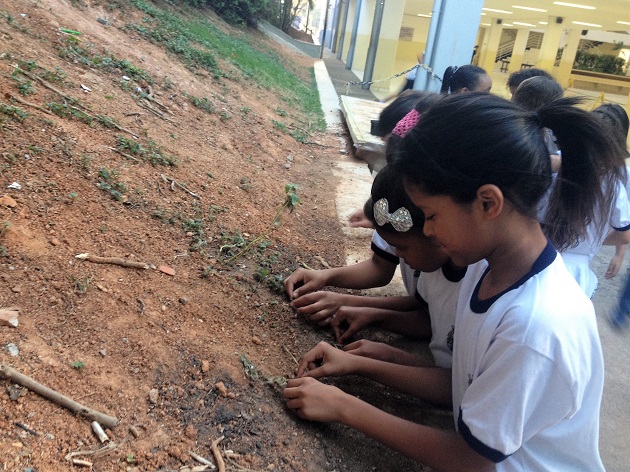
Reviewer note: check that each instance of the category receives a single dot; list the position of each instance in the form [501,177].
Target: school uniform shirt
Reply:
[578,259]
[440,290]
[528,371]
[388,252]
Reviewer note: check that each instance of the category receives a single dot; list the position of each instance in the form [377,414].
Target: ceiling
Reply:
[606,13]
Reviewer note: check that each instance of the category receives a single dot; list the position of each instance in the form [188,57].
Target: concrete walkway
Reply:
[332,77]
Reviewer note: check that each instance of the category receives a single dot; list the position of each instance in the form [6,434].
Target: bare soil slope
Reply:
[196,348]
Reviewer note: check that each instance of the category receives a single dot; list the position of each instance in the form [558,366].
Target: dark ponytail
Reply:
[467,140]
[457,78]
[592,166]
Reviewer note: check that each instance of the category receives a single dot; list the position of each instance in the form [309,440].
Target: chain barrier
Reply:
[423,66]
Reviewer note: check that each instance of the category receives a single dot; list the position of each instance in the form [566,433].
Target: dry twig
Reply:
[123,154]
[56,397]
[113,260]
[174,183]
[217,453]
[8,96]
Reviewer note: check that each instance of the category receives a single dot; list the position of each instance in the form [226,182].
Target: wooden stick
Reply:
[50,87]
[217,454]
[56,397]
[113,260]
[8,96]
[173,183]
[128,156]
[200,459]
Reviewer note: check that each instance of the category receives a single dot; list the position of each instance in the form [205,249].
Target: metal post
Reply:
[353,38]
[336,21]
[429,55]
[342,36]
[321,50]
[373,47]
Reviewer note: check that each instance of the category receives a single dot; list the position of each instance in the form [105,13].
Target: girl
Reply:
[466,78]
[400,224]
[527,373]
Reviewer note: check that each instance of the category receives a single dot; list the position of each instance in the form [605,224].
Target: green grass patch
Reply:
[198,43]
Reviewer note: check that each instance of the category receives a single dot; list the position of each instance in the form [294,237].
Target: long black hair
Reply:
[456,78]
[467,140]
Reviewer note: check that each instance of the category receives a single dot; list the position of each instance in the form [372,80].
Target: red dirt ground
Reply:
[165,354]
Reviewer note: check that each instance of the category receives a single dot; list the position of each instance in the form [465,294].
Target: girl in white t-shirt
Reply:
[528,372]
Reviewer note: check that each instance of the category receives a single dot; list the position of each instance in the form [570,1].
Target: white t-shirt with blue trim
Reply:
[528,371]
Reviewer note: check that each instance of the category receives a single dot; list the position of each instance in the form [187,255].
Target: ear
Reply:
[490,201]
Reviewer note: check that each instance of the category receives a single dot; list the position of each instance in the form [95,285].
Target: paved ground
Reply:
[332,78]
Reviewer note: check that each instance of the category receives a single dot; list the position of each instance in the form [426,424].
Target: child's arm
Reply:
[440,450]
[385,352]
[374,272]
[428,383]
[350,320]
[615,262]
[616,237]
[319,306]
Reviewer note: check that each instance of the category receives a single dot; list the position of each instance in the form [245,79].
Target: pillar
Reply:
[354,34]
[344,24]
[490,45]
[550,44]
[563,74]
[374,41]
[454,39]
[518,51]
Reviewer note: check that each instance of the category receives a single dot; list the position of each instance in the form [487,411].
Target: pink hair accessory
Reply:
[409,121]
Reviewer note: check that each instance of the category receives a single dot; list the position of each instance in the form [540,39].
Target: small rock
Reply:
[16,289]
[205,366]
[102,352]
[220,386]
[190,432]
[175,452]
[103,21]
[55,242]
[183,300]
[7,201]
[15,391]
[153,396]
[12,349]
[166,270]
[9,316]
[15,186]
[256,340]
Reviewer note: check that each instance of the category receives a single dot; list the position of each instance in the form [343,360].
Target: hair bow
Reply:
[400,219]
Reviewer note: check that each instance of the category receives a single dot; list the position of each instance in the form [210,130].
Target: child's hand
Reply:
[304,281]
[318,306]
[349,320]
[614,266]
[313,400]
[371,349]
[359,220]
[325,360]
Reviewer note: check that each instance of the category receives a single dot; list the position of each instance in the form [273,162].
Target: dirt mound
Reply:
[194,347]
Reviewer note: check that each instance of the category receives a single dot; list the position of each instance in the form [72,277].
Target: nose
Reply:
[427,229]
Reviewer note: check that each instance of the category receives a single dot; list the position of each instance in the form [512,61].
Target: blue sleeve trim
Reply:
[385,255]
[476,445]
[625,228]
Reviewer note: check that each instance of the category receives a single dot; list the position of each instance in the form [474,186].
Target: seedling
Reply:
[78,365]
[290,201]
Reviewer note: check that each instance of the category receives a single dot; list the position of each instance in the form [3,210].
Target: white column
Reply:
[518,51]
[550,44]
[563,74]
[490,45]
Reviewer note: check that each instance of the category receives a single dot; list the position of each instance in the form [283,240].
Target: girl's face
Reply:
[418,251]
[456,228]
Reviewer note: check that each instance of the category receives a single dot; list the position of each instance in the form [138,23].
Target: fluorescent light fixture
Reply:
[424,16]
[574,5]
[624,22]
[586,24]
[497,11]
[485,24]
[522,24]
[483,14]
[529,8]
[543,23]
[507,24]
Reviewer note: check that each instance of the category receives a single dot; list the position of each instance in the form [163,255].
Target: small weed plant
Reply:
[110,183]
